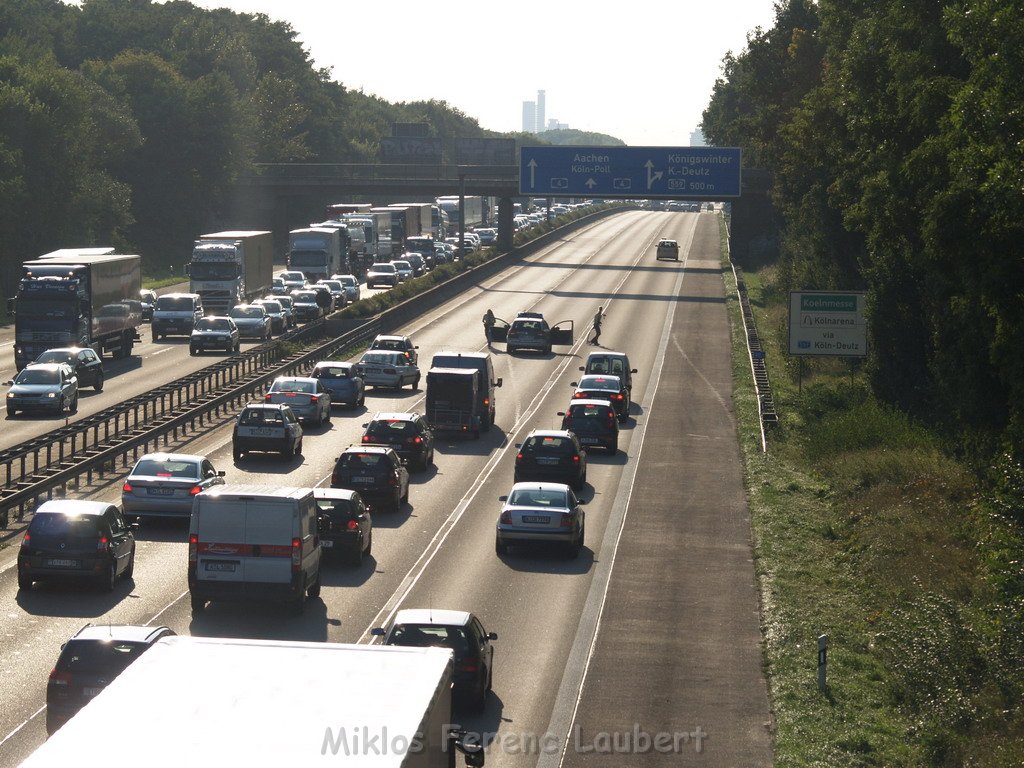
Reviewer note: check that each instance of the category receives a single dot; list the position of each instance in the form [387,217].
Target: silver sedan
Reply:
[307,397]
[540,512]
[164,484]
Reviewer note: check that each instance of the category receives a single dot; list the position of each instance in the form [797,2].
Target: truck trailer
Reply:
[473,209]
[376,228]
[85,297]
[317,252]
[423,213]
[453,402]
[219,701]
[337,210]
[229,268]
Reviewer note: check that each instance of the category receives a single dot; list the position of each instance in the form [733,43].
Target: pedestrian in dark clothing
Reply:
[598,319]
[488,325]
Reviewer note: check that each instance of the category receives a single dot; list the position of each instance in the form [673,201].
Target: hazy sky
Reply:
[642,72]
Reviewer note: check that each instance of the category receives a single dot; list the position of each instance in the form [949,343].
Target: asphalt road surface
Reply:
[664,585]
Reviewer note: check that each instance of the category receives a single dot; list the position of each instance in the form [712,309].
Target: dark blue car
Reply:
[341,381]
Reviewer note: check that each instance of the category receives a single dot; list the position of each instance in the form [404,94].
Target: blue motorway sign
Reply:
[631,172]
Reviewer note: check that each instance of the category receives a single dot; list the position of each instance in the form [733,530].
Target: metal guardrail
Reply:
[762,387]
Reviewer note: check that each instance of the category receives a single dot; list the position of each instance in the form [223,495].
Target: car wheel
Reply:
[74,403]
[615,447]
[500,547]
[298,447]
[290,450]
[238,453]
[314,590]
[578,484]
[193,351]
[24,582]
[369,543]
[12,412]
[98,384]
[547,351]
[327,414]
[129,572]
[480,700]
[109,579]
[355,555]
[362,399]
[416,383]
[198,604]
[404,498]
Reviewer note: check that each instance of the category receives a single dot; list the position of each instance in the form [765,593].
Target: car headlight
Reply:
[10,395]
[51,394]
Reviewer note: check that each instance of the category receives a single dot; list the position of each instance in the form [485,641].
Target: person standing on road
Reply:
[598,319]
[488,325]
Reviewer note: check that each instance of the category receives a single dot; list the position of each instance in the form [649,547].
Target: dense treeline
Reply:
[893,132]
[125,122]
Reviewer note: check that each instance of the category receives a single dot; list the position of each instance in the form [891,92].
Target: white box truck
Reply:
[203,701]
[317,252]
[229,268]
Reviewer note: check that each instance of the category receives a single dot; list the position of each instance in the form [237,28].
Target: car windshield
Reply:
[424,635]
[274,307]
[213,324]
[38,376]
[382,268]
[402,265]
[250,312]
[293,385]
[332,372]
[99,657]
[167,468]
[252,416]
[54,356]
[174,303]
[389,358]
[348,282]
[537,497]
[293,277]
[304,297]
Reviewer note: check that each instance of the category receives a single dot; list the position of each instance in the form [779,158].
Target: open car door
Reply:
[562,333]
[499,331]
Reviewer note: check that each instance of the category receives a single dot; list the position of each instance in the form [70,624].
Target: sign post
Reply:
[822,661]
[828,323]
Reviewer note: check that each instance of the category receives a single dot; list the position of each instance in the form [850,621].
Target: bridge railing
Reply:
[385,171]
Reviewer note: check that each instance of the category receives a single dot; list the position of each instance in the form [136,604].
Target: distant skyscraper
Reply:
[529,117]
[540,112]
[554,125]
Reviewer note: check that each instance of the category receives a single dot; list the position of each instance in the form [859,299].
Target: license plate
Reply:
[90,692]
[226,567]
[547,460]
[588,440]
[372,370]
[542,519]
[161,491]
[61,563]
[259,432]
[326,543]
[362,479]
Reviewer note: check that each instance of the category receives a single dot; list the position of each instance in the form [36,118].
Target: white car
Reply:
[382,274]
[293,280]
[306,396]
[381,368]
[541,512]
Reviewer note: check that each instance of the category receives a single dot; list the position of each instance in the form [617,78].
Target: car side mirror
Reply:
[492,635]
[222,473]
[583,368]
[377,632]
[560,413]
[573,384]
[503,498]
[632,370]
[366,425]
[416,347]
[581,502]
[519,445]
[9,383]
[498,382]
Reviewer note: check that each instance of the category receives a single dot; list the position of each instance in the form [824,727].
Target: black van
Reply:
[486,383]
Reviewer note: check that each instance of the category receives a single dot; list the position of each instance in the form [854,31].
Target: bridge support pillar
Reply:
[505,230]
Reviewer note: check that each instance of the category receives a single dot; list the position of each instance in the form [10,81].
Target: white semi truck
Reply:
[207,701]
[229,268]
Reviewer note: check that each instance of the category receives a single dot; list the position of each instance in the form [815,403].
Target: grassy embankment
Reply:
[867,529]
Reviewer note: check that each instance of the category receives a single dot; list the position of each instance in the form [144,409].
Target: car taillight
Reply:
[394,479]
[25,541]
[579,394]
[566,521]
[575,458]
[519,456]
[487,401]
[296,555]
[470,665]
[414,440]
[617,396]
[266,397]
[102,544]
[127,488]
[506,518]
[60,678]
[193,547]
[195,489]
[366,438]
[353,525]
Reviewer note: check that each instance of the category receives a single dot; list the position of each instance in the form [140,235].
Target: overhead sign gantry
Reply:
[711,173]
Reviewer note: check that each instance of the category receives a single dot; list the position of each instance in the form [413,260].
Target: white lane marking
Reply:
[570,690]
[161,351]
[419,567]
[31,717]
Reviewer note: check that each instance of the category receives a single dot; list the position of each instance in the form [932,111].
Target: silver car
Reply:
[252,320]
[388,369]
[164,484]
[49,387]
[540,512]
[288,307]
[351,285]
[278,319]
[382,273]
[306,396]
[404,270]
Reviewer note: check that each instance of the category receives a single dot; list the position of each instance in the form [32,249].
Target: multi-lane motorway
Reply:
[653,628]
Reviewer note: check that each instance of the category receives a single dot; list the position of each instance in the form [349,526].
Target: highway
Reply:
[438,550]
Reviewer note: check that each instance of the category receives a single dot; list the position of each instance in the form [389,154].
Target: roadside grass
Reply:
[867,530]
[163,281]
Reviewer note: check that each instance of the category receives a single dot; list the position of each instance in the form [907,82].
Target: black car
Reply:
[595,423]
[84,361]
[377,472]
[408,433]
[148,298]
[345,524]
[460,631]
[73,539]
[552,455]
[88,662]
[604,387]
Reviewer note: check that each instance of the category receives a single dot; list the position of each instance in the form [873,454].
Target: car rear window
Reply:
[390,427]
[599,382]
[334,372]
[363,462]
[548,445]
[56,357]
[334,506]
[537,497]
[252,416]
[167,468]
[389,358]
[247,312]
[306,387]
[589,411]
[59,524]
[425,635]
[99,657]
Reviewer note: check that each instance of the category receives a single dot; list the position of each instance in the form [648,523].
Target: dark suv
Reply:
[88,662]
[552,455]
[594,422]
[459,630]
[408,433]
[73,539]
[377,472]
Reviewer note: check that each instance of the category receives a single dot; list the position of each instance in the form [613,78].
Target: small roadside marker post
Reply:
[822,661]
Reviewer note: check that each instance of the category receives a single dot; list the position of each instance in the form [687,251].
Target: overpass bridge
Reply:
[285,196]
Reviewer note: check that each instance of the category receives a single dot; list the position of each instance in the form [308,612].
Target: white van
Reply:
[253,543]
